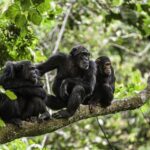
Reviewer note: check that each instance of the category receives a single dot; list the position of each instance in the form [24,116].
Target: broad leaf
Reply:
[11,95]
[34,16]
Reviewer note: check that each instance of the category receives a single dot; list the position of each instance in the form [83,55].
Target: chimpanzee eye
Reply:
[32,68]
[107,64]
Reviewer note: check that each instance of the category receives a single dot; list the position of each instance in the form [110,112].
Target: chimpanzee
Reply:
[23,79]
[105,83]
[75,80]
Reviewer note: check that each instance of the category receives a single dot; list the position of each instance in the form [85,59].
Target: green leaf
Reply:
[34,16]
[37,2]
[11,95]
[39,57]
[20,20]
[117,2]
[2,123]
[2,90]
[25,4]
[44,6]
[146,26]
[12,11]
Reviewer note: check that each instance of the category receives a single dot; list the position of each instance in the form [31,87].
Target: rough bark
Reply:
[11,132]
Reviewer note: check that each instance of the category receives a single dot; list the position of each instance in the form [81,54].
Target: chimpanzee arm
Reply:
[25,88]
[87,82]
[16,83]
[52,63]
[30,92]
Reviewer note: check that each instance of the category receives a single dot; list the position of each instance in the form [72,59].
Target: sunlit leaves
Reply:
[12,11]
[45,6]
[39,57]
[117,2]
[21,20]
[25,4]
[146,26]
[34,16]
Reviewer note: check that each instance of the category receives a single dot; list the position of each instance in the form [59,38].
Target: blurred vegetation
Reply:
[117,28]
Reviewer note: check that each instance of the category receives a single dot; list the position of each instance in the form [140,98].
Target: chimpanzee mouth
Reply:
[108,72]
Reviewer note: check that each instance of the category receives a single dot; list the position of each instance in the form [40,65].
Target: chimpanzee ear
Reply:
[73,51]
[98,60]
[9,71]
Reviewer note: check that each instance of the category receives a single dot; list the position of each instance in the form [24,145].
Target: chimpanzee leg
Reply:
[12,113]
[55,103]
[28,111]
[106,96]
[74,102]
[44,114]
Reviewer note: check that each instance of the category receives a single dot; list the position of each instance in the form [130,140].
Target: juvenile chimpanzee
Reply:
[23,79]
[105,83]
[75,80]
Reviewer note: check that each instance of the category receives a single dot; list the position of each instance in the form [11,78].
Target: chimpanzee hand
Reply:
[63,89]
[40,92]
[62,114]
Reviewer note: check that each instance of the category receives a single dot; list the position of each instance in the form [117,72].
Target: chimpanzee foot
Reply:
[16,122]
[92,106]
[44,116]
[61,114]
[104,105]
[33,119]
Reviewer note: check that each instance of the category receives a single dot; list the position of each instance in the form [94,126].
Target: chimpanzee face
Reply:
[104,65]
[107,68]
[22,70]
[29,72]
[80,56]
[82,61]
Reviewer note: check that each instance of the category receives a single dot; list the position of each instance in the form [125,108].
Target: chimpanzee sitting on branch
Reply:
[105,83]
[75,80]
[23,79]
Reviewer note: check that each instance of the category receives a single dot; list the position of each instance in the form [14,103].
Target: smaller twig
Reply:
[124,49]
[44,140]
[147,48]
[110,146]
[62,28]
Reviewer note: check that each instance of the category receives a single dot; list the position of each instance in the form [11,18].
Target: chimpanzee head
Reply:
[80,56]
[22,70]
[104,65]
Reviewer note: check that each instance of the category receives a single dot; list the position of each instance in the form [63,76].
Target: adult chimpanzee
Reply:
[23,79]
[75,80]
[105,83]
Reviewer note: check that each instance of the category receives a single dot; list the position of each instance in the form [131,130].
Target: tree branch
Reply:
[11,132]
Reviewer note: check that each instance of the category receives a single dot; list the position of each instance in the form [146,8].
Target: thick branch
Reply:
[11,132]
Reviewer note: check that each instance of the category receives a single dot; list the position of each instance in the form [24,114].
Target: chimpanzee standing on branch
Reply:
[105,83]
[75,80]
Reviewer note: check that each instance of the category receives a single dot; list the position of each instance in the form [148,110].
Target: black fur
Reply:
[75,80]
[23,79]
[105,84]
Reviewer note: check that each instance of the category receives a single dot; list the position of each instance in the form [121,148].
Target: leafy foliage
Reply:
[117,28]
